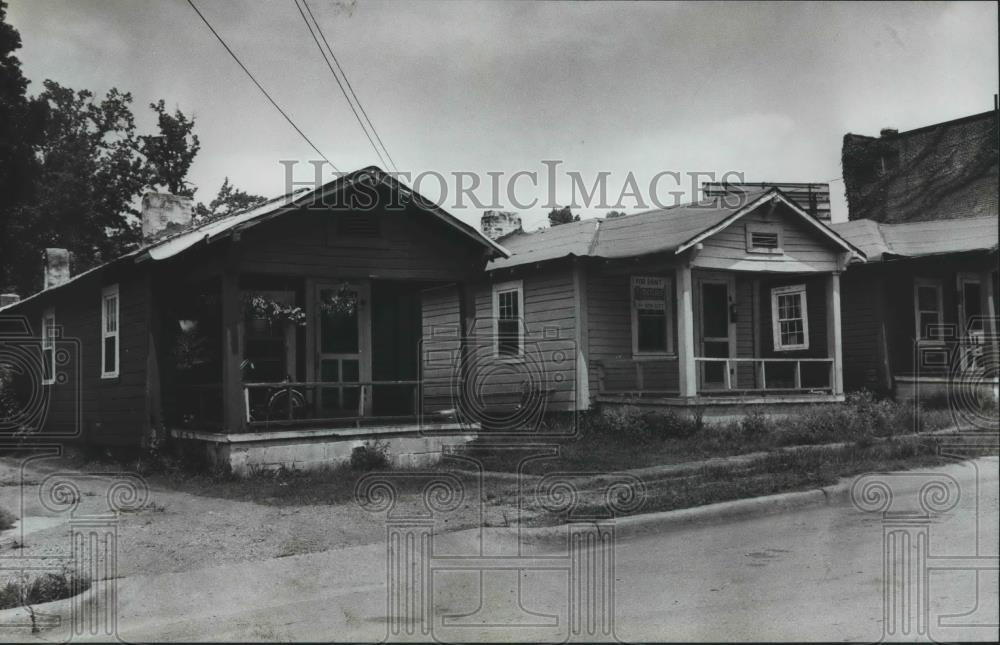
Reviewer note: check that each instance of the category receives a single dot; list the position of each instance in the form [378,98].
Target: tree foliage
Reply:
[228,201]
[171,152]
[20,131]
[73,168]
[614,214]
[563,215]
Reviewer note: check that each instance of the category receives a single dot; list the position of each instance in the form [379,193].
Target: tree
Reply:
[563,215]
[229,200]
[21,120]
[614,214]
[170,153]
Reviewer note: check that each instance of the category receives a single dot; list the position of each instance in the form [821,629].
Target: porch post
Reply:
[834,344]
[685,332]
[233,408]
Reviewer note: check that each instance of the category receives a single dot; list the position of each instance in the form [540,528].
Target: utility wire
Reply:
[259,86]
[349,87]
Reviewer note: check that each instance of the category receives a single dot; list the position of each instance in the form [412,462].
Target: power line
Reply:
[349,86]
[339,84]
[259,86]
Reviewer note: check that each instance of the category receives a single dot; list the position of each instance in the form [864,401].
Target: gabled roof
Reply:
[225,227]
[674,229]
[921,239]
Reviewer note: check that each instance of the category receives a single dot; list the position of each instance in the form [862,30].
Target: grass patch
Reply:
[626,437]
[779,472]
[20,590]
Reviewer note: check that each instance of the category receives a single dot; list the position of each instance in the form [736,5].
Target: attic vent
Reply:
[763,238]
[356,225]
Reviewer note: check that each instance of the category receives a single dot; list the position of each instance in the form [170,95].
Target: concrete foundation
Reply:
[719,409]
[245,453]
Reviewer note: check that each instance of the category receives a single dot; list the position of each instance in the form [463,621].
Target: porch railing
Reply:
[786,374]
[291,403]
[660,376]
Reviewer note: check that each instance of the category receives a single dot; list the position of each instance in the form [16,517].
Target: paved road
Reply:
[812,574]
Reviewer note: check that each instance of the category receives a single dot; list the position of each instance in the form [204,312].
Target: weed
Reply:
[371,455]
[7,519]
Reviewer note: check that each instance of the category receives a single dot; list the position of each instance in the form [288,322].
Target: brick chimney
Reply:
[497,224]
[56,268]
[164,214]
[9,299]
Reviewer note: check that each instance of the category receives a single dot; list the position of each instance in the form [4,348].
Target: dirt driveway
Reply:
[177,531]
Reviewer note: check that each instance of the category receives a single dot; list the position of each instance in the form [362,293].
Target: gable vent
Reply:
[764,240]
[356,225]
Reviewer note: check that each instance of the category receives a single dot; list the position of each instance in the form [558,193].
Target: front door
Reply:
[343,348]
[715,296]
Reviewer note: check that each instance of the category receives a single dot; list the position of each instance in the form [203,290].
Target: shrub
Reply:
[21,590]
[670,425]
[372,455]
[7,519]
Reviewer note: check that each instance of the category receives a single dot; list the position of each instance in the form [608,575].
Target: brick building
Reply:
[942,171]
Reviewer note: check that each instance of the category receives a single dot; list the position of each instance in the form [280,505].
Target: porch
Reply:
[738,338]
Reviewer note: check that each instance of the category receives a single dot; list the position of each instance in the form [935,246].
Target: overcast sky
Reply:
[765,89]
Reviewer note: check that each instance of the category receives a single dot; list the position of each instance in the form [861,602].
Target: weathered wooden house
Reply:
[719,304]
[286,334]
[922,311]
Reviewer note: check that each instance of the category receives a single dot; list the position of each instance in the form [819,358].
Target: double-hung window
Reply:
[109,332]
[508,310]
[651,316]
[790,318]
[927,305]
[49,347]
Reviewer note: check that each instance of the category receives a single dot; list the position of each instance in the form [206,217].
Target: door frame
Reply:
[364,354]
[969,340]
[729,281]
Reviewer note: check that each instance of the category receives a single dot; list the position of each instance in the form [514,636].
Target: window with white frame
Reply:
[927,306]
[49,347]
[651,315]
[764,238]
[508,309]
[109,332]
[789,318]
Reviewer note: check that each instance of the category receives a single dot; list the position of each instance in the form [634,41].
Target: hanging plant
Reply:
[258,307]
[344,302]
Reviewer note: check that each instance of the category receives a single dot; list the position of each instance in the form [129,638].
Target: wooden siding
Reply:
[804,249]
[550,338]
[441,347]
[609,326]
[409,245]
[865,346]
[112,411]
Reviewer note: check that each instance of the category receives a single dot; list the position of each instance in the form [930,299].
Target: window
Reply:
[109,332]
[508,307]
[764,238]
[651,315]
[789,318]
[927,308]
[48,347]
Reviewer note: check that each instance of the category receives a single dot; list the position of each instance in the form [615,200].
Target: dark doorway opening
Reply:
[396,334]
